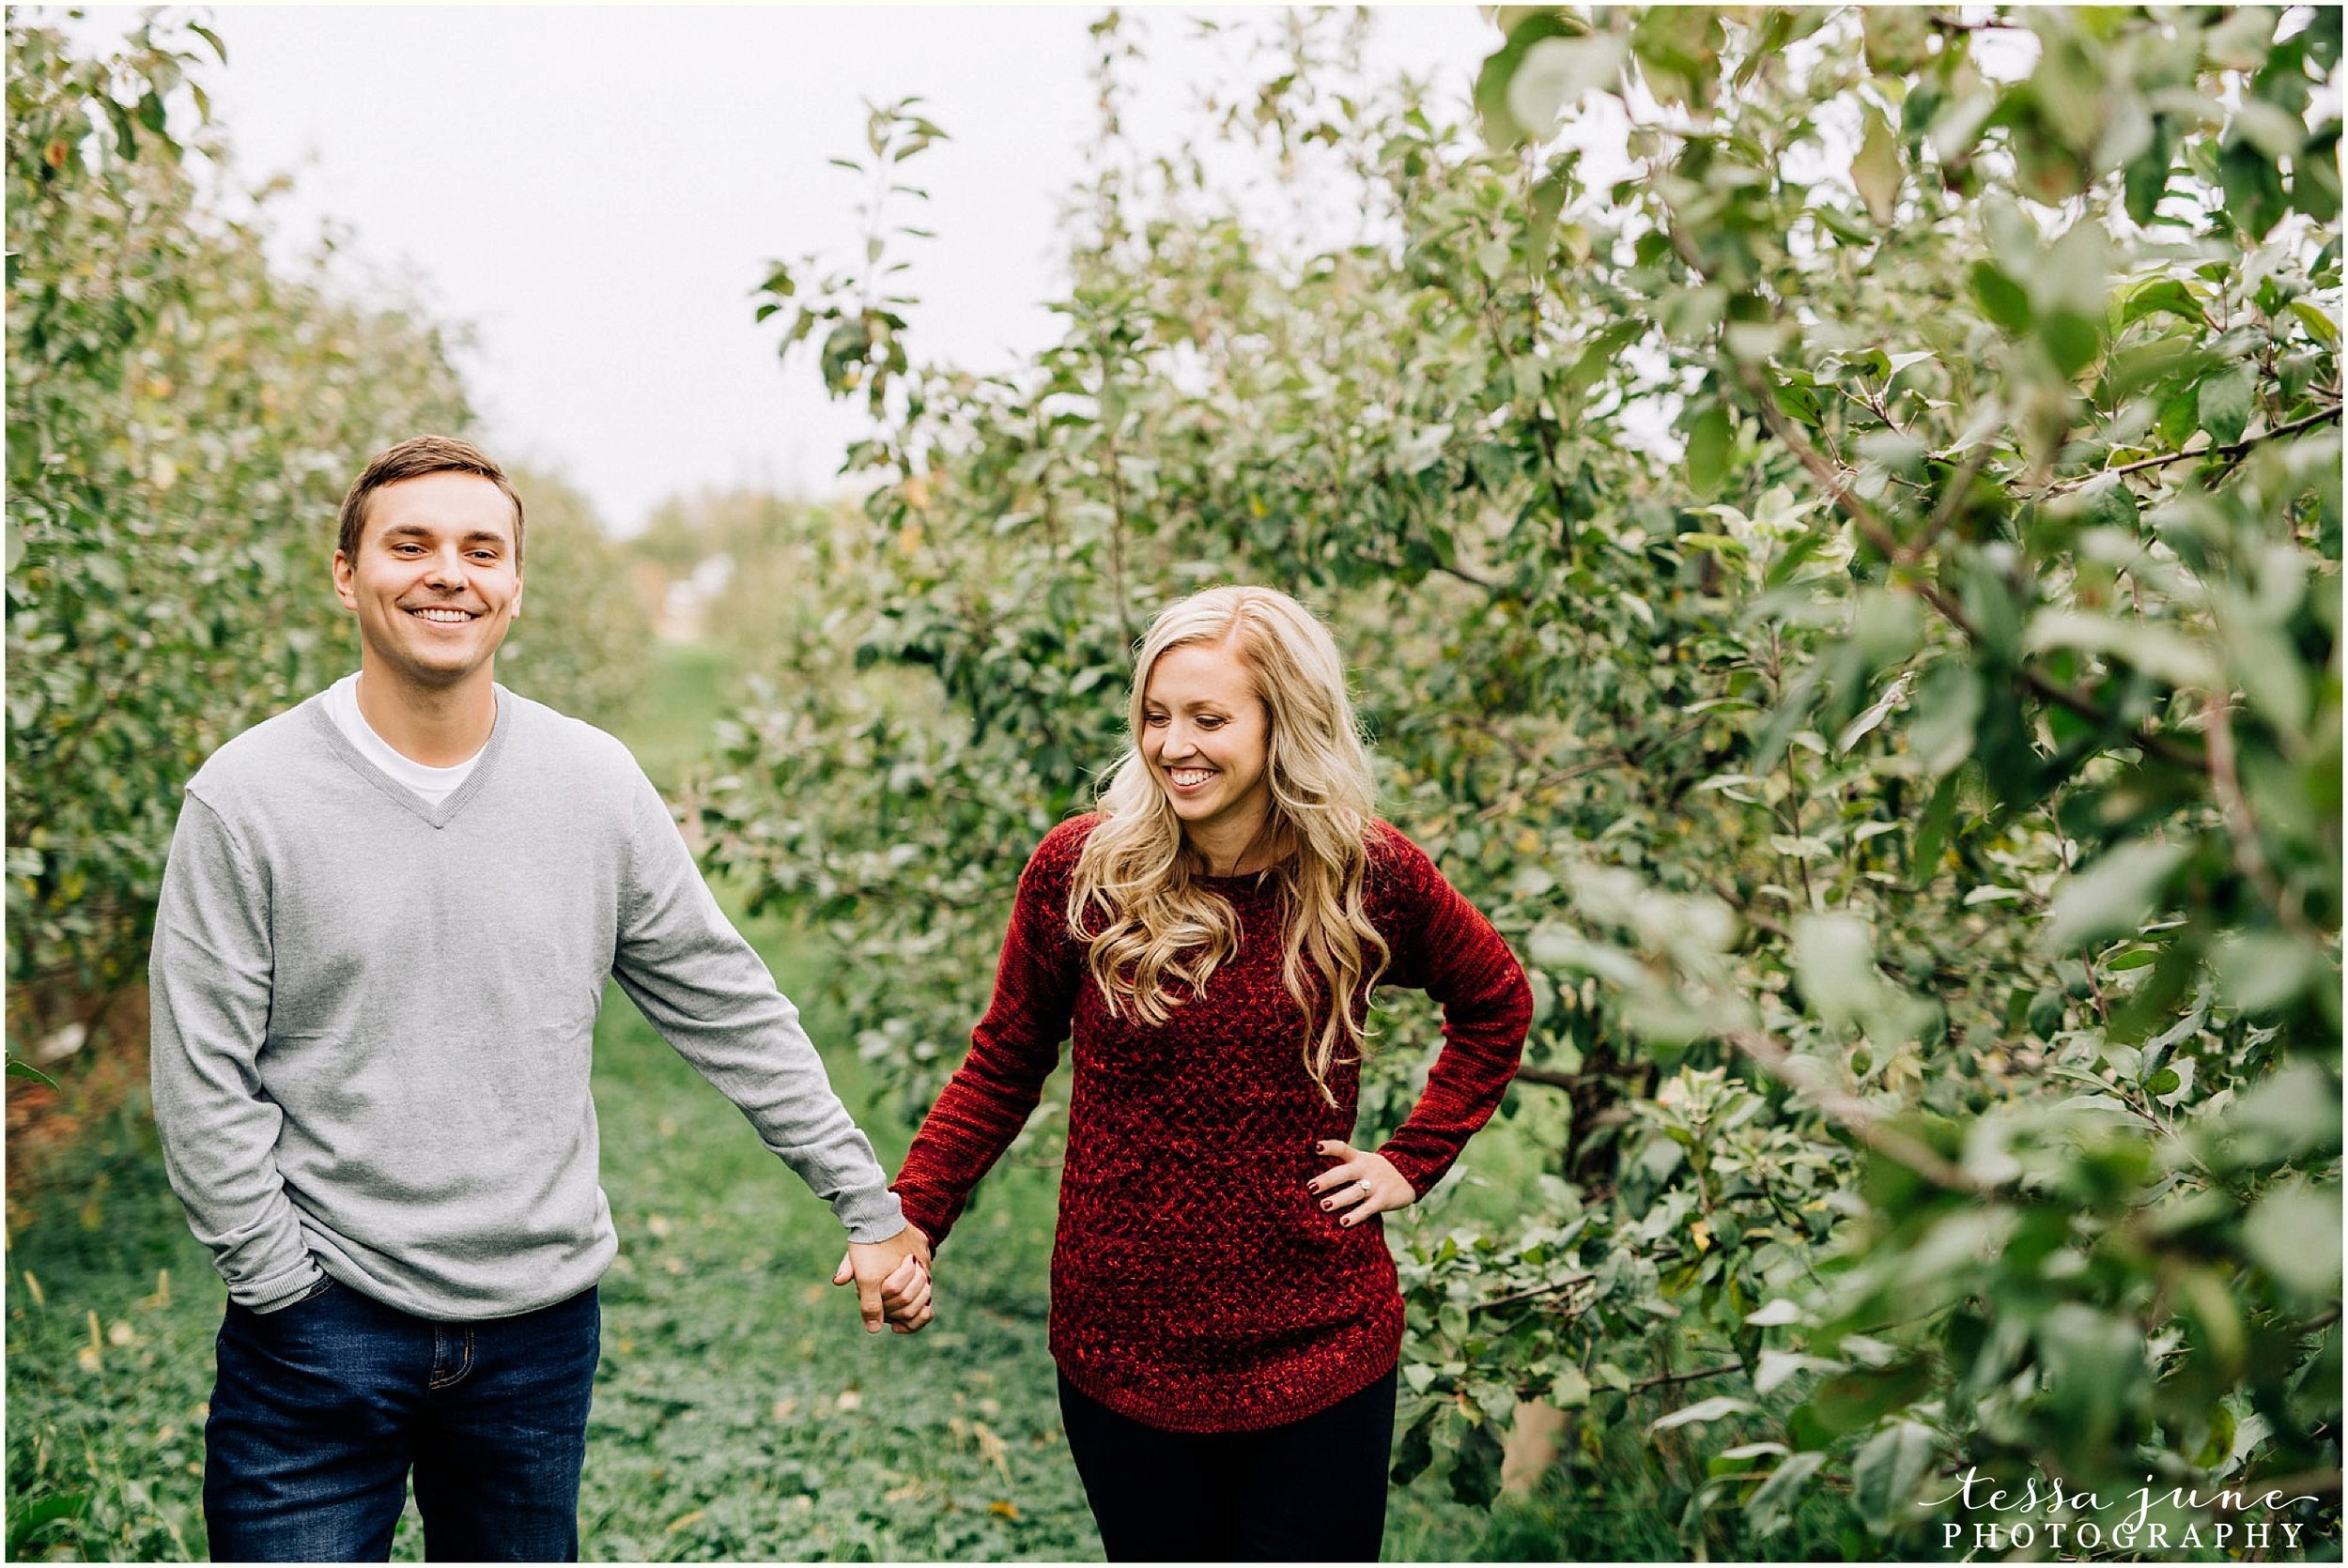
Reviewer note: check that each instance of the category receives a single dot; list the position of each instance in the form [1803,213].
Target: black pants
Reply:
[1314,1490]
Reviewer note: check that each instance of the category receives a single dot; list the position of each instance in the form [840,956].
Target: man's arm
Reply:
[209,986]
[711,997]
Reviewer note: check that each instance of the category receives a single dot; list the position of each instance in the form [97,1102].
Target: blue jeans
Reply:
[321,1409]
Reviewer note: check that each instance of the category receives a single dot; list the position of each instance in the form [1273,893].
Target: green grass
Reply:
[740,1410]
[669,720]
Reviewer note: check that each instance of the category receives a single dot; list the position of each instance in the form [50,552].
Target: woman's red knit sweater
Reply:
[1197,1285]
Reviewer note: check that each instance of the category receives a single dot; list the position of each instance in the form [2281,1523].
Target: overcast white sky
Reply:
[596,190]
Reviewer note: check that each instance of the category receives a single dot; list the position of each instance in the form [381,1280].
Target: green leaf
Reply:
[2147,178]
[2241,41]
[1703,1412]
[26,1070]
[2165,652]
[1851,1400]
[2260,970]
[2254,187]
[2152,296]
[1500,126]
[1946,705]
[1541,207]
[2000,299]
[30,1520]
[1452,1319]
[1778,1367]
[1558,71]
[1475,1467]
[1876,169]
[2113,897]
[2294,1234]
[1932,833]
[2094,1365]
[1772,1504]
[1709,443]
[1884,1475]
[1415,1450]
[2107,503]
[2224,405]
[2290,1115]
[1896,38]
[2318,321]
[1874,714]
[2071,339]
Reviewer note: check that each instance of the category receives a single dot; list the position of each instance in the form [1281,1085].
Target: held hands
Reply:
[1361,1184]
[891,1279]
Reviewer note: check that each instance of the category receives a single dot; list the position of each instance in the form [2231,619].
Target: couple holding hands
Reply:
[385,927]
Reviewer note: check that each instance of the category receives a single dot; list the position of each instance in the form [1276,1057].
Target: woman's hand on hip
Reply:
[1361,1184]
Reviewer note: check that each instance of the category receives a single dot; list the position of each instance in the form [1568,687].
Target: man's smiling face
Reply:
[436,580]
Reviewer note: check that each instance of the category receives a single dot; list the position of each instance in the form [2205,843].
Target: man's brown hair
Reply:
[411,459]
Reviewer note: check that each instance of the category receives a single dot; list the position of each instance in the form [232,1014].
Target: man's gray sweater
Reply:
[373,1018]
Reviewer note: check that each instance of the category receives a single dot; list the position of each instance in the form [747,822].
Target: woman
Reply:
[1224,1311]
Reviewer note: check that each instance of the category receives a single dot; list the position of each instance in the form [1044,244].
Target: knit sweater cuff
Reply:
[932,1220]
[869,1216]
[1421,1173]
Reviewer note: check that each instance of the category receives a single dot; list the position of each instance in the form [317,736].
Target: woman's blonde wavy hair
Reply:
[1136,902]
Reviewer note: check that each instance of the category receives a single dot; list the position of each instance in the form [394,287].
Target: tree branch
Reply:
[2241,826]
[1871,526]
[1611,758]
[1514,801]
[1532,1293]
[2228,453]
[1547,436]
[1460,571]
[1855,1116]
[1951,499]
[1687,1376]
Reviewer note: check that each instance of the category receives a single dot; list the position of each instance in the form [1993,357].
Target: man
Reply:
[385,927]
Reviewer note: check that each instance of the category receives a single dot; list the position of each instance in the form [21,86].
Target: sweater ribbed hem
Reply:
[1208,1410]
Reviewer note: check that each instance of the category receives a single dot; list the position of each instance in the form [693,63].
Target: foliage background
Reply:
[182,422]
[1914,776]
[1856,602]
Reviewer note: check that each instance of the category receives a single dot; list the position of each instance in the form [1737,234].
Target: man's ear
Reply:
[345,587]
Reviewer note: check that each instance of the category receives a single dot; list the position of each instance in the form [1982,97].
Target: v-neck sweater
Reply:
[374,1017]
[1197,1285]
